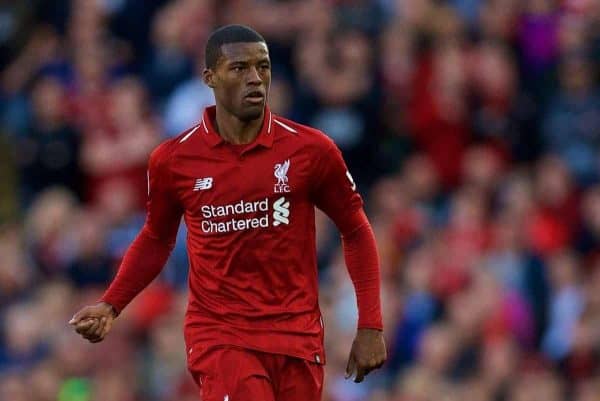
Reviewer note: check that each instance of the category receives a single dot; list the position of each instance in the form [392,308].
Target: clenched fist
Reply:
[368,353]
[94,322]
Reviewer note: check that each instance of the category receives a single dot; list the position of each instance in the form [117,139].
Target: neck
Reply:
[234,130]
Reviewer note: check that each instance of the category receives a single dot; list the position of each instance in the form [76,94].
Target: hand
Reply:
[368,353]
[94,322]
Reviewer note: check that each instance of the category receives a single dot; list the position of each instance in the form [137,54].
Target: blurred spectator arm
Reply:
[39,49]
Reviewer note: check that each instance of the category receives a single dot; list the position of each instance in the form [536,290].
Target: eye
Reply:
[238,68]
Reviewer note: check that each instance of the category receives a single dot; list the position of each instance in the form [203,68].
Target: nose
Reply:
[253,77]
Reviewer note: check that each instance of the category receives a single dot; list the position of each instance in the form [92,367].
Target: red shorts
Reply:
[228,373]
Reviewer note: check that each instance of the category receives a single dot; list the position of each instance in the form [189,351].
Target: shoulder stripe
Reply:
[270,119]
[189,134]
[287,127]
[204,125]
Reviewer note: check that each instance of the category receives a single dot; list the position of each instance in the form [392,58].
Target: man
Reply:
[246,182]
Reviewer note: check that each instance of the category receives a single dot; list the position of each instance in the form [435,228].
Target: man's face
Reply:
[241,79]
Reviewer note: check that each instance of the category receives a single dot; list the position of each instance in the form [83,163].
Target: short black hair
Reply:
[228,34]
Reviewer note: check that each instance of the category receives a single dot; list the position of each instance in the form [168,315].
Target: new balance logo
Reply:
[203,183]
[281,212]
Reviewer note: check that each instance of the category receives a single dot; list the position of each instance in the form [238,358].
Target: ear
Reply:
[208,76]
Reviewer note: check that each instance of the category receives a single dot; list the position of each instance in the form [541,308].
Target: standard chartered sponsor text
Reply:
[209,211]
[236,223]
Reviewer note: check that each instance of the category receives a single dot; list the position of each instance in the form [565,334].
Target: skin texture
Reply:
[242,69]
[94,322]
[367,354]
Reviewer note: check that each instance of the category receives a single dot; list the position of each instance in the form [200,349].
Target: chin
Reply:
[251,113]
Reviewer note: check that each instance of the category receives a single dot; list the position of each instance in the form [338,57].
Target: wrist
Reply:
[109,309]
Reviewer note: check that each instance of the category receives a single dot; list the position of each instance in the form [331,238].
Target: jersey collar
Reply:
[212,137]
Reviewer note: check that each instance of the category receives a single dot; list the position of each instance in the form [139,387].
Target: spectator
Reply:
[184,107]
[48,155]
[571,124]
[119,151]
[167,64]
[566,305]
[471,128]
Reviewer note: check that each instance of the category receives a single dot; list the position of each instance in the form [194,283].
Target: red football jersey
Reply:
[250,216]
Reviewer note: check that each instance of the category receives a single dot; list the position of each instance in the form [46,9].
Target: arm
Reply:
[335,194]
[144,259]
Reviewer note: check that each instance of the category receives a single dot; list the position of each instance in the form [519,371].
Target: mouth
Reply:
[254,97]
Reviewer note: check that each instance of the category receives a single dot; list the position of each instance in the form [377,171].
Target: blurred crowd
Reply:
[472,128]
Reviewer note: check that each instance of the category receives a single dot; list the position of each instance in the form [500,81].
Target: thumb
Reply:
[82,314]
[351,366]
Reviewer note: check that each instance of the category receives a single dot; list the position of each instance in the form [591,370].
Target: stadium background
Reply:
[472,128]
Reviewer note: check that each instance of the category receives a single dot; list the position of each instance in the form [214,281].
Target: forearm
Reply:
[362,260]
[142,262]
